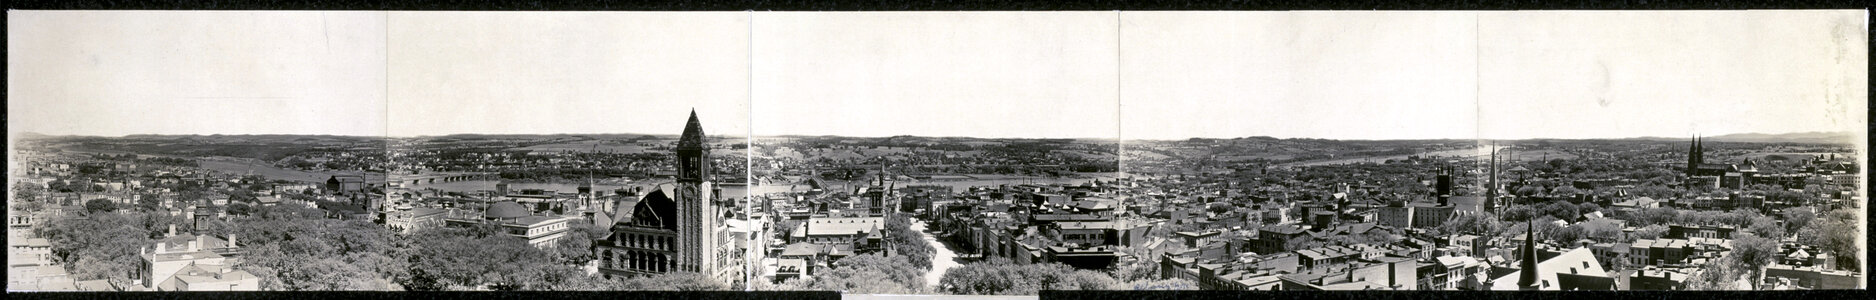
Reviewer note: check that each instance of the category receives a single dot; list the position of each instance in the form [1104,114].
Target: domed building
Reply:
[540,230]
[675,227]
[505,210]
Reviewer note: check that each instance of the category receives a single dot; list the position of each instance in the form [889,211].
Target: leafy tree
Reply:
[1561,210]
[1606,230]
[100,206]
[577,247]
[28,192]
[909,243]
[1714,277]
[1836,232]
[1751,254]
[1650,232]
[872,274]
[1001,277]
[676,281]
[99,247]
[149,202]
[1138,270]
[1519,213]
[1765,226]
[1797,217]
[329,274]
[1588,207]
[239,209]
[1566,191]
[1654,216]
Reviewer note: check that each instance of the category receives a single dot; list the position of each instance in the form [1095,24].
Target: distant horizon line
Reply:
[922,136]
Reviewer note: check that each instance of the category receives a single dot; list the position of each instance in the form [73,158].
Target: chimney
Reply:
[161,247]
[172,230]
[231,241]
[193,246]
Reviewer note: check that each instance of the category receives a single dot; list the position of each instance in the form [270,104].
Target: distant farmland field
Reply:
[241,166]
[586,146]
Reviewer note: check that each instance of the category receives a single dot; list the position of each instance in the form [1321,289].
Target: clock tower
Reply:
[699,232]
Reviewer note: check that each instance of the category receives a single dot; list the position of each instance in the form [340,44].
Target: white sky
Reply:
[568,72]
[1002,74]
[179,72]
[1340,75]
[1139,75]
[1672,74]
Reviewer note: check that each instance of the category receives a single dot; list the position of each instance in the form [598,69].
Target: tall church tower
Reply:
[1694,156]
[1490,205]
[697,229]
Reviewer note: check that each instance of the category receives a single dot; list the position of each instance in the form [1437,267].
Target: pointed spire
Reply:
[1491,189]
[1693,154]
[693,136]
[1527,273]
[1700,150]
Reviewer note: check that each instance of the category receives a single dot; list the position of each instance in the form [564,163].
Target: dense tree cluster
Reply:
[907,243]
[1837,232]
[999,276]
[104,245]
[296,248]
[868,274]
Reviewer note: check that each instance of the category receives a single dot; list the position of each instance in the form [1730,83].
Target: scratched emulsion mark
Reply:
[1602,86]
[1834,92]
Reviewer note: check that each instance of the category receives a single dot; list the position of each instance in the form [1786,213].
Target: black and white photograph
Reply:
[992,154]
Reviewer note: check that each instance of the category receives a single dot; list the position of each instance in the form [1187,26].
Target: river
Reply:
[729,192]
[962,184]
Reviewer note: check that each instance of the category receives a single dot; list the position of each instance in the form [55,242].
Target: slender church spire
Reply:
[1700,150]
[1693,154]
[1527,273]
[1491,189]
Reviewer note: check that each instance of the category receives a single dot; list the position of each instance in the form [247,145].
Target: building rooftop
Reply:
[506,210]
[844,226]
[1577,261]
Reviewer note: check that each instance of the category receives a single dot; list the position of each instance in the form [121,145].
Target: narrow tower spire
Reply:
[1527,273]
[1491,190]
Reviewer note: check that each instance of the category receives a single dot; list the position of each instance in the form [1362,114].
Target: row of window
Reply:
[644,241]
[636,260]
[545,229]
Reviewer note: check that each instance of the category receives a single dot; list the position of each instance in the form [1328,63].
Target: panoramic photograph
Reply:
[880,154]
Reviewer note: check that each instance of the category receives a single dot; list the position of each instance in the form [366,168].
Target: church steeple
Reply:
[1490,204]
[1527,273]
[1700,150]
[1693,155]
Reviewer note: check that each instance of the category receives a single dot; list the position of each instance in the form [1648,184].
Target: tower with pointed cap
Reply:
[700,231]
[1527,272]
[1490,205]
